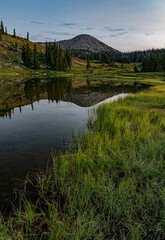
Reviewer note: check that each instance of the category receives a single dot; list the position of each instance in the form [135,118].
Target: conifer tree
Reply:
[88,63]
[68,57]
[2,28]
[64,63]
[35,58]
[56,59]
[27,36]
[52,61]
[23,54]
[160,69]
[135,69]
[14,33]
[46,54]
[28,58]
[144,65]
[60,60]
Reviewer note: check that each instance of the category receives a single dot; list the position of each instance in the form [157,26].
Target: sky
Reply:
[125,25]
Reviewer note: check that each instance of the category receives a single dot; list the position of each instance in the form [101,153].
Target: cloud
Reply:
[59,33]
[122,33]
[114,29]
[119,34]
[36,22]
[87,29]
[68,24]
[113,35]
[149,33]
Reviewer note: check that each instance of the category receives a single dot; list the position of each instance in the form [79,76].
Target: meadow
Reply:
[112,185]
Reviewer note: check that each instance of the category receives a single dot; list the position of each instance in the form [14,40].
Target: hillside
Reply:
[11,50]
[87,43]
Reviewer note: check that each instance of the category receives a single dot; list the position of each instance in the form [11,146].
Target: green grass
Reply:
[112,187]
[11,66]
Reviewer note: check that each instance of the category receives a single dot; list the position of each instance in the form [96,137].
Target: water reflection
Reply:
[27,137]
[56,89]
[29,91]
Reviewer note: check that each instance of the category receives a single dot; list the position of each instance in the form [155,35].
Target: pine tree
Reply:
[145,65]
[27,36]
[68,57]
[135,69]
[35,58]
[64,63]
[55,50]
[88,63]
[52,61]
[14,33]
[23,54]
[2,28]
[56,59]
[46,54]
[28,59]
[60,60]
[159,69]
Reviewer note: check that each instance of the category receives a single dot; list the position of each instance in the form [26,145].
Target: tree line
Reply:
[56,59]
[30,57]
[153,63]
[137,56]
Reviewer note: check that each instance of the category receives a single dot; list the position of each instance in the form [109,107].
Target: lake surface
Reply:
[40,116]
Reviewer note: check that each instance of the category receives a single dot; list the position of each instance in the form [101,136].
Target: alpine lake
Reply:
[44,116]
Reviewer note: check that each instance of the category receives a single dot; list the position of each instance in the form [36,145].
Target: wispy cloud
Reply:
[114,29]
[86,28]
[122,33]
[89,28]
[113,35]
[68,24]
[149,33]
[59,33]
[36,22]
[118,34]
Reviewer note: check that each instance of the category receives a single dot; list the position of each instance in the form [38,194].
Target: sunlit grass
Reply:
[112,187]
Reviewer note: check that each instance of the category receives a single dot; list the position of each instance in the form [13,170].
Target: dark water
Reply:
[39,116]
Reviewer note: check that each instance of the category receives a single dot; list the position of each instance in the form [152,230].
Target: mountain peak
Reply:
[88,43]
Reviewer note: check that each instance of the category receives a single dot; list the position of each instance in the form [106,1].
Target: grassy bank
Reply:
[98,72]
[112,187]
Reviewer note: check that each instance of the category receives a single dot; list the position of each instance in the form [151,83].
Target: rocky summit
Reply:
[87,43]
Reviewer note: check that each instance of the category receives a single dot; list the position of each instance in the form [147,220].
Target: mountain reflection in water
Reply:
[59,109]
[60,89]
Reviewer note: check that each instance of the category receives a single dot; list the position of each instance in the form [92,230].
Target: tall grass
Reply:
[112,187]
